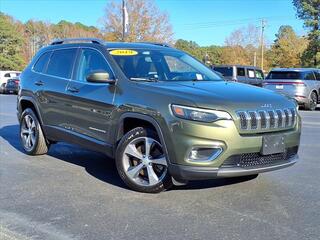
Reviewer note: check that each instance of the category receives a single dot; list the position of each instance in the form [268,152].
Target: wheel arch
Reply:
[128,121]
[28,102]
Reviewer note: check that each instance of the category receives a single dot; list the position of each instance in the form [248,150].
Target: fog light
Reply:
[200,154]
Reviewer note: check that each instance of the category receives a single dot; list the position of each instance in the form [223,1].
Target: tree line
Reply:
[20,41]
[286,51]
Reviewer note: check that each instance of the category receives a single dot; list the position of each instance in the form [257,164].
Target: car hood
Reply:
[224,95]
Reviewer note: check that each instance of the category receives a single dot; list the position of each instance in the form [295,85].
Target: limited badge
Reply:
[123,52]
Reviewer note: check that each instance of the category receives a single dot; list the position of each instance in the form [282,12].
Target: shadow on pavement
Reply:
[213,183]
[100,166]
[96,164]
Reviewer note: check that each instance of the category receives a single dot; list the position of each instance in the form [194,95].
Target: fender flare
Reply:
[34,103]
[146,118]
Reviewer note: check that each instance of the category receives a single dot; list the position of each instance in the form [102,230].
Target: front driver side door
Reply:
[91,104]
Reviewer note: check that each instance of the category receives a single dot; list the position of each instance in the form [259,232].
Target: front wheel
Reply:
[141,161]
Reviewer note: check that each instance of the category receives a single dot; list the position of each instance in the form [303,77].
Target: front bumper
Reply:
[183,173]
[187,134]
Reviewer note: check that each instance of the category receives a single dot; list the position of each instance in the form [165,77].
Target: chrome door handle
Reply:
[73,89]
[39,83]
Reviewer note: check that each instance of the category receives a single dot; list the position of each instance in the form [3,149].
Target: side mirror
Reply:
[100,77]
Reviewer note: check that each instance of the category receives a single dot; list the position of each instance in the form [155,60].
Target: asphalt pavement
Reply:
[73,193]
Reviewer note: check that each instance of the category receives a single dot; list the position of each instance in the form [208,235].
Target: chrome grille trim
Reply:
[267,119]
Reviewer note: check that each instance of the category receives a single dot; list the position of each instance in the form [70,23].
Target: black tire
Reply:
[134,135]
[2,88]
[40,145]
[313,100]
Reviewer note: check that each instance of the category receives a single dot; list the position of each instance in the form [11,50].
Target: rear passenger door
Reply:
[91,104]
[310,80]
[52,84]
[317,75]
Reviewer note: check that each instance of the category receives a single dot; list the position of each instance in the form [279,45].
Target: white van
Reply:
[4,76]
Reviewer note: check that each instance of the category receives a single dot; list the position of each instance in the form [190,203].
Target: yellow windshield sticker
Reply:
[123,52]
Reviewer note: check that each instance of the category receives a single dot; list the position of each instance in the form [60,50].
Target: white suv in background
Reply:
[5,76]
[302,84]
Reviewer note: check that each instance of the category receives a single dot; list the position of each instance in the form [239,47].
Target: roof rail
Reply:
[158,44]
[76,40]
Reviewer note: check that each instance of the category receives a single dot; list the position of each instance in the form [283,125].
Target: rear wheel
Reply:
[313,101]
[31,135]
[141,161]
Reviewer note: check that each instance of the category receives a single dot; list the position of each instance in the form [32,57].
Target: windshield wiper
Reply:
[144,79]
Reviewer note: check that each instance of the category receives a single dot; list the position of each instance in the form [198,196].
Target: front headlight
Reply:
[198,114]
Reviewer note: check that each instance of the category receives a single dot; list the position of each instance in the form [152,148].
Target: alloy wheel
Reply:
[28,132]
[144,161]
[313,101]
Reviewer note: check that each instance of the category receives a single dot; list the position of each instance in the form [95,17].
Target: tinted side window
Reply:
[309,76]
[61,63]
[7,75]
[91,61]
[250,73]
[225,71]
[41,64]
[317,75]
[284,75]
[241,72]
[259,74]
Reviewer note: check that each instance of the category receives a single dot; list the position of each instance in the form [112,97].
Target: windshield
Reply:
[161,65]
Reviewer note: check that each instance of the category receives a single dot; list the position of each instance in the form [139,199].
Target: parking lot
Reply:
[72,193]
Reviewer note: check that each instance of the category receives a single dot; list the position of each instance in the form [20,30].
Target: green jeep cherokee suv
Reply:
[162,115]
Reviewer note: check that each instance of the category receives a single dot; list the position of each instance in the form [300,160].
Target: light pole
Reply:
[262,40]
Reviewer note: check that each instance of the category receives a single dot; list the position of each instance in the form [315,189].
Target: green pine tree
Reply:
[10,45]
[309,12]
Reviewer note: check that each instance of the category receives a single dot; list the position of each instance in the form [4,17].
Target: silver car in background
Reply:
[302,84]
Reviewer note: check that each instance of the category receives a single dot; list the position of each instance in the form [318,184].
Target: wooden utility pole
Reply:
[255,59]
[262,41]
[123,21]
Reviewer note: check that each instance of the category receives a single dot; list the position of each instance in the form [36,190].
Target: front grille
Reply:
[272,119]
[252,160]
[253,120]
[266,120]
